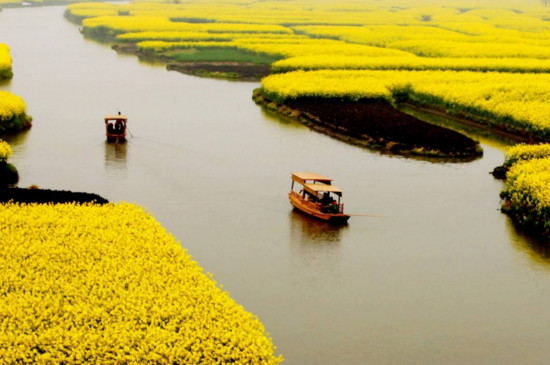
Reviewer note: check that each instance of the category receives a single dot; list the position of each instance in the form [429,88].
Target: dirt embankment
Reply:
[375,124]
[45,196]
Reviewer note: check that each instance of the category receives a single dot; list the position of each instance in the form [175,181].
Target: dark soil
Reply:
[499,172]
[44,196]
[231,70]
[377,124]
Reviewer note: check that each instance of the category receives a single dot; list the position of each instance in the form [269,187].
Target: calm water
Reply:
[442,278]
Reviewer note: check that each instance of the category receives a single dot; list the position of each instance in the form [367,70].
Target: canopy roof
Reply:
[322,188]
[302,177]
[115,117]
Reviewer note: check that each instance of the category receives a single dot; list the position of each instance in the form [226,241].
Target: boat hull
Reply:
[116,137]
[310,209]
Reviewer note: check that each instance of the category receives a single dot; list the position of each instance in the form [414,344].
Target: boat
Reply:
[315,195]
[115,127]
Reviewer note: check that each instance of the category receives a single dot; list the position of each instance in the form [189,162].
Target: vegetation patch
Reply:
[225,63]
[224,70]
[5,63]
[12,113]
[8,173]
[526,197]
[221,55]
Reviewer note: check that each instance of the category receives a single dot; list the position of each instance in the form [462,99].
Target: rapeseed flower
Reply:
[5,151]
[108,285]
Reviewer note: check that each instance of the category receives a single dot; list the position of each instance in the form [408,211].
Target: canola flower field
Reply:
[13,115]
[106,284]
[499,50]
[12,107]
[77,291]
[527,193]
[5,151]
[5,62]
[515,102]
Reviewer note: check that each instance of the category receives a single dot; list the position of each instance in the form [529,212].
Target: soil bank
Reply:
[46,196]
[375,124]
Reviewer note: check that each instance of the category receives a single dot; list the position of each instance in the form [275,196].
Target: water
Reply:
[442,278]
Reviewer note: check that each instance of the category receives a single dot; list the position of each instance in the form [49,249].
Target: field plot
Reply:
[107,284]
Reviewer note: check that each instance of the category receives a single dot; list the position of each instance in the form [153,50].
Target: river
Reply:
[442,278]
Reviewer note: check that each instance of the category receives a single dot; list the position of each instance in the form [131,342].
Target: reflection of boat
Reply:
[116,156]
[317,197]
[115,127]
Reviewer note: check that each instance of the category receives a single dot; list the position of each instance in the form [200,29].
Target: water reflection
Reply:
[536,249]
[316,252]
[286,122]
[308,230]
[115,155]
[479,133]
[15,139]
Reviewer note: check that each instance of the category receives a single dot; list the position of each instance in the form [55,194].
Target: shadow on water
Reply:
[478,133]
[15,139]
[284,122]
[316,249]
[116,155]
[308,230]
[534,247]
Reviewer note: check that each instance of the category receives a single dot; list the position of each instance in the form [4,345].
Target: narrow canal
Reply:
[441,278]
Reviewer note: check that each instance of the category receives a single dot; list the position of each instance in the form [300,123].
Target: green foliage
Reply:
[15,124]
[400,94]
[525,152]
[222,55]
[8,174]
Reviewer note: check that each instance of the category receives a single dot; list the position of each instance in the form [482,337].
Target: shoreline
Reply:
[467,122]
[372,133]
[46,196]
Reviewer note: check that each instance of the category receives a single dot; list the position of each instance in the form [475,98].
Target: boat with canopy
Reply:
[115,127]
[315,195]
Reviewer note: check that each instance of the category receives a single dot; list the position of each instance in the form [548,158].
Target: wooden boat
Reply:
[317,197]
[115,127]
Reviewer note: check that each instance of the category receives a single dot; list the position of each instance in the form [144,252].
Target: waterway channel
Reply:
[442,278]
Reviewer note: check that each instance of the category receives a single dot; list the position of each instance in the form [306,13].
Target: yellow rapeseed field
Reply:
[525,152]
[108,285]
[527,192]
[346,62]
[5,151]
[508,37]
[516,101]
[10,106]
[5,62]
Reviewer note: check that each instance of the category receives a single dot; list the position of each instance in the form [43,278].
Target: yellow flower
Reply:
[107,284]
[5,151]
